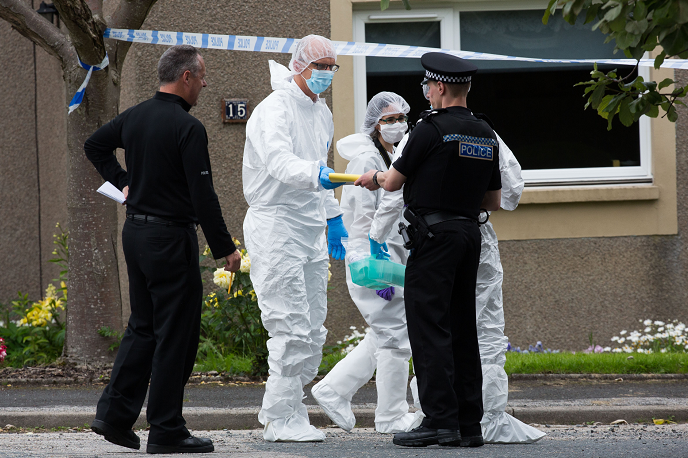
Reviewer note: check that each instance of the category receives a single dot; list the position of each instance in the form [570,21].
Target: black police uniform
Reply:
[170,191]
[450,161]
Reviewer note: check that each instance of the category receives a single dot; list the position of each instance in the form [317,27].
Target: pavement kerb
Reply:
[197,379]
[247,418]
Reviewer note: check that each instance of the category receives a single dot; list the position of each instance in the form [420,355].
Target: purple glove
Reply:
[386,293]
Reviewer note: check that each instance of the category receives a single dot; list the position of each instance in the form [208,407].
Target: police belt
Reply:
[440,217]
[163,222]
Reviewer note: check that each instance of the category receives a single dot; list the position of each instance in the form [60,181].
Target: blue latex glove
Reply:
[325,178]
[379,250]
[335,232]
[386,293]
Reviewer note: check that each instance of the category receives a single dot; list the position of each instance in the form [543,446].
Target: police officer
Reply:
[451,169]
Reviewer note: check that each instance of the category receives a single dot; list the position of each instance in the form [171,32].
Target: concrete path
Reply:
[561,441]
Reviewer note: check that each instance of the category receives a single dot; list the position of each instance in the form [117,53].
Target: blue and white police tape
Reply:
[343,48]
[79,96]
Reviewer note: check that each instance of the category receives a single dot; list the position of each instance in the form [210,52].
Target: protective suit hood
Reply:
[281,78]
[354,145]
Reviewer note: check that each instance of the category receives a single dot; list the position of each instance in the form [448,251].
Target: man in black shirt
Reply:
[450,167]
[169,190]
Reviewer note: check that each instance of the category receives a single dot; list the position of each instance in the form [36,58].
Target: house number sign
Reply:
[234,110]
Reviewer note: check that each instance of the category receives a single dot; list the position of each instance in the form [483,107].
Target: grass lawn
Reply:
[516,363]
[596,363]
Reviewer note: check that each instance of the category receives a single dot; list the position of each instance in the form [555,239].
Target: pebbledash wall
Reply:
[577,259]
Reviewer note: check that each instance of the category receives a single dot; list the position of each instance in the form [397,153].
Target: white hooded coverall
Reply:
[497,425]
[287,138]
[386,347]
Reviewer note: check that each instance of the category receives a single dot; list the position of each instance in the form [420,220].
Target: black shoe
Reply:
[424,436]
[189,445]
[125,438]
[472,441]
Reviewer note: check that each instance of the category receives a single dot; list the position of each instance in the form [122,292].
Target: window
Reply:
[534,106]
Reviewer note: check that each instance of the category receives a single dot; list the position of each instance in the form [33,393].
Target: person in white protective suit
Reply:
[497,425]
[290,201]
[386,347]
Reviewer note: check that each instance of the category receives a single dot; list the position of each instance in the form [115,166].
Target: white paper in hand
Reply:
[109,190]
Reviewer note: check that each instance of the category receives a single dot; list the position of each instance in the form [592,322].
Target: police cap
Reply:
[447,68]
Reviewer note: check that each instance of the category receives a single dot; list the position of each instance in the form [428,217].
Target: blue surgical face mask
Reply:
[319,80]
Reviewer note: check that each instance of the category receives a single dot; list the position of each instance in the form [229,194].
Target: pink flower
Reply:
[3,350]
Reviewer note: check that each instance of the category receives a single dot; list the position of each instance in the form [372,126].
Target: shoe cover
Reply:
[355,370]
[414,392]
[498,427]
[283,398]
[404,424]
[334,405]
[391,379]
[295,428]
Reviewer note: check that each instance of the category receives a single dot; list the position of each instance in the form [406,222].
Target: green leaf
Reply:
[591,14]
[650,85]
[662,12]
[384,4]
[603,105]
[682,16]
[672,115]
[407,4]
[625,115]
[613,13]
[654,97]
[640,10]
[551,9]
[675,42]
[597,96]
[659,60]
[639,105]
[637,27]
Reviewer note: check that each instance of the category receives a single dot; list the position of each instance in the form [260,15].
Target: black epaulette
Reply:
[485,118]
[428,113]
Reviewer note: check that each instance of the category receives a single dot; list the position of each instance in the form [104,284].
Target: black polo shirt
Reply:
[450,161]
[168,166]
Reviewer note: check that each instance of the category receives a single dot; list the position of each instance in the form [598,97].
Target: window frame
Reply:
[450,38]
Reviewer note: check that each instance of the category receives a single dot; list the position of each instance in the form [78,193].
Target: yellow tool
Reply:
[343,177]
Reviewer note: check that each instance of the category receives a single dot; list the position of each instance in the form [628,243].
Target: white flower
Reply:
[647,322]
[647,329]
[663,350]
[659,323]
[622,339]
[623,332]
[616,350]
[245,264]
[222,278]
[607,349]
[615,338]
[660,329]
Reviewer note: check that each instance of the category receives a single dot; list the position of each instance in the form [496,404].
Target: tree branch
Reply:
[29,23]
[85,29]
[130,14]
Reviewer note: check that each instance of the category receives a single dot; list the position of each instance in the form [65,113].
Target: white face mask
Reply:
[392,133]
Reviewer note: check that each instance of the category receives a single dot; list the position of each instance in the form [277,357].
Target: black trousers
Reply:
[440,311]
[161,340]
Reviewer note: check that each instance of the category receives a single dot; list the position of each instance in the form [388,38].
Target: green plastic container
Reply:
[377,273]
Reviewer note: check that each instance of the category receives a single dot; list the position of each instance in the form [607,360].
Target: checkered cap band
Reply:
[447,79]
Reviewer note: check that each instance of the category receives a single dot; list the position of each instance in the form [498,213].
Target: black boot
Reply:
[472,441]
[124,438]
[191,444]
[424,436]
